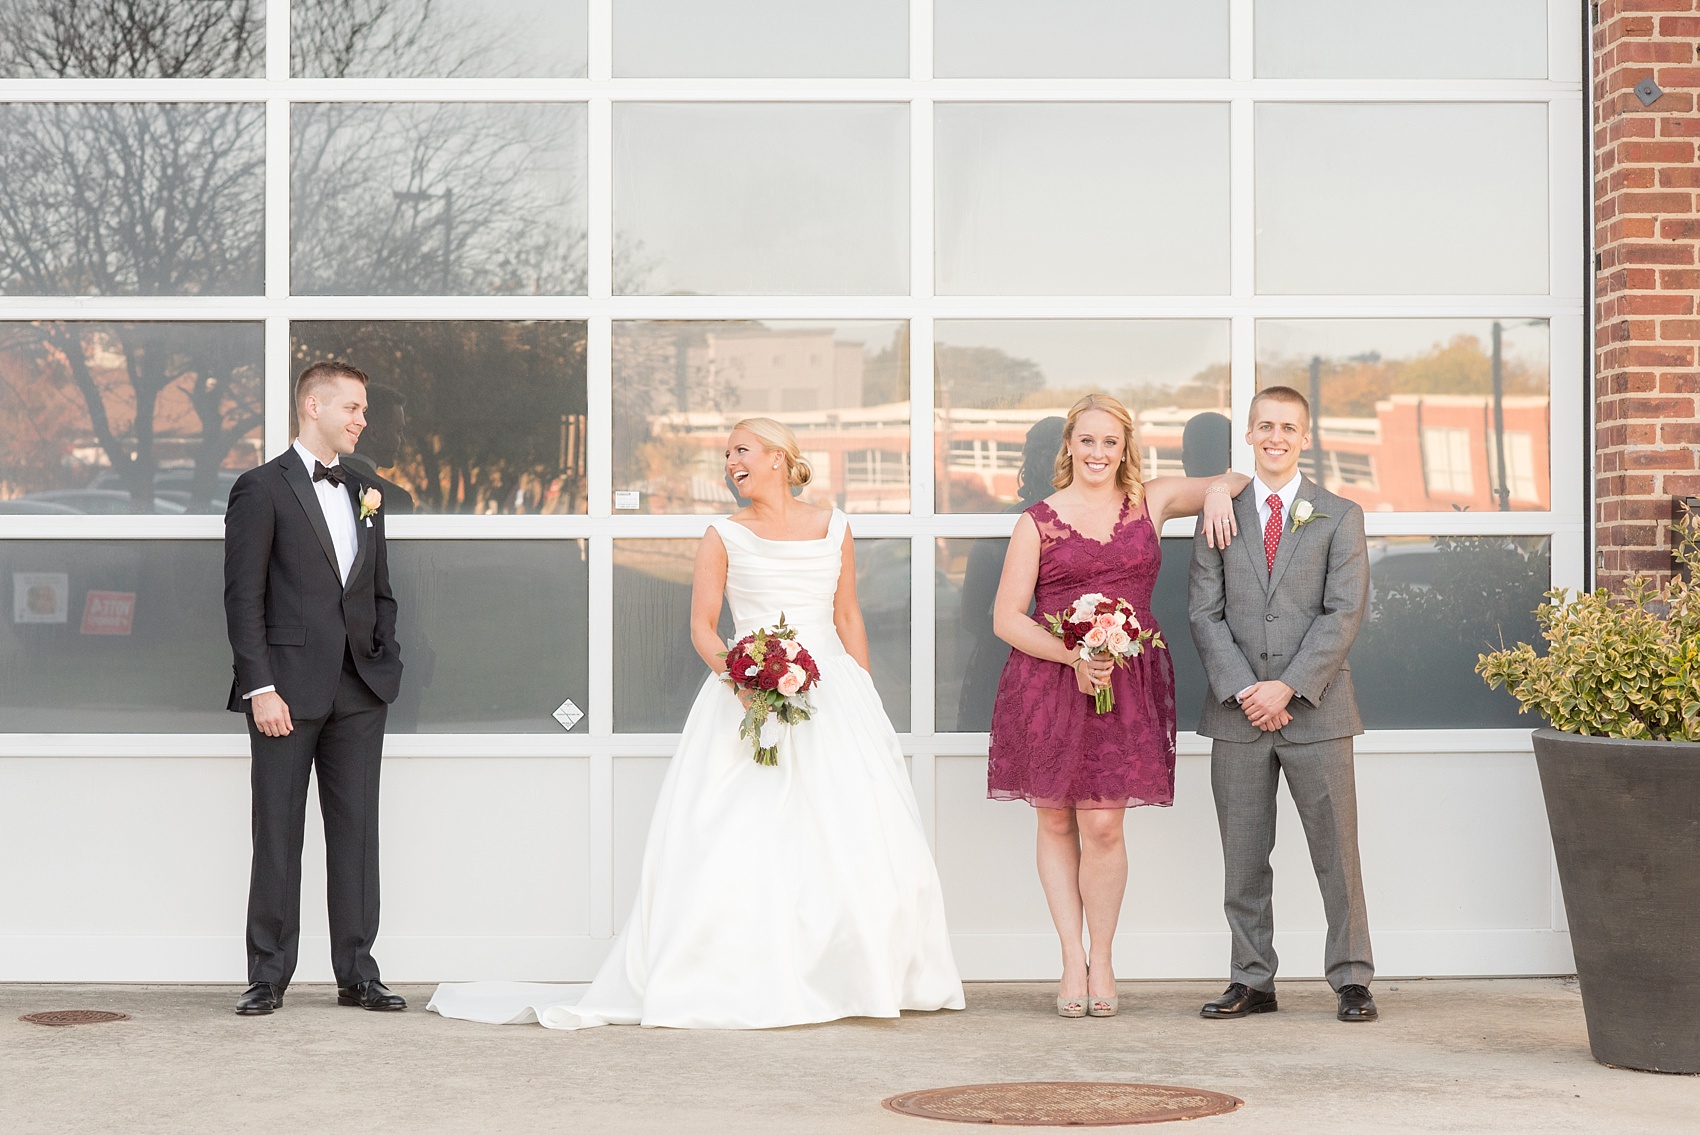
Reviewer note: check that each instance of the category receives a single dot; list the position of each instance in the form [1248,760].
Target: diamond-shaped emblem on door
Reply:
[568,714]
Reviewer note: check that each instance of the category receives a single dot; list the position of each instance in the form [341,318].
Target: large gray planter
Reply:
[1625,819]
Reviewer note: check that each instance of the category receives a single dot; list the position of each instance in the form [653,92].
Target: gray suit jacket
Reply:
[1295,623]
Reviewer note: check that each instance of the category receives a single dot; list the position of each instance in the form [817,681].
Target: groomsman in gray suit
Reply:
[1273,620]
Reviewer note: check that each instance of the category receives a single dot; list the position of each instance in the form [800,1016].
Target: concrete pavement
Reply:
[1453,1056]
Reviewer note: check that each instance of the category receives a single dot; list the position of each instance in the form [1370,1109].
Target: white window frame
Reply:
[1564,306]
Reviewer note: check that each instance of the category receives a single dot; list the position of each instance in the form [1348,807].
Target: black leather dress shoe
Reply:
[370,995]
[1239,1001]
[1356,1004]
[261,998]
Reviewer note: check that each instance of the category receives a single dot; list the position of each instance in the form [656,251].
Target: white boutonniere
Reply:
[1303,514]
[371,500]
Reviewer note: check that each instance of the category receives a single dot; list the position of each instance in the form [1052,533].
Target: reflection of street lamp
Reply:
[417,198]
[1316,419]
[1503,491]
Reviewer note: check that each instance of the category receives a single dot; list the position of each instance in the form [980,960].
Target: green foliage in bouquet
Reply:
[1624,667]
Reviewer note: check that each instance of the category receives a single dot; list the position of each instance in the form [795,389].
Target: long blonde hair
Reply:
[778,437]
[1129,476]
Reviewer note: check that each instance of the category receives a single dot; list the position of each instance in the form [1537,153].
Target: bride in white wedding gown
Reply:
[769,896]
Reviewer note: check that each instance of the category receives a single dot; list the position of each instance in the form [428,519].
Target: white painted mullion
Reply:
[277,40]
[599,247]
[600,64]
[921,41]
[1242,40]
[1242,251]
[277,361]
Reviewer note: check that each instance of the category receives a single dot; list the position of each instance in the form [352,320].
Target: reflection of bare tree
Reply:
[135,199]
[1355,384]
[131,39]
[662,369]
[140,386]
[495,410]
[450,198]
[122,199]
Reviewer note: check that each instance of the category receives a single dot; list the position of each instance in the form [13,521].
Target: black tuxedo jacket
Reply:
[289,615]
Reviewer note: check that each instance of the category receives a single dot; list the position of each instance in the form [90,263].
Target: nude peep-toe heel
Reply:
[1071,1006]
[1102,1006]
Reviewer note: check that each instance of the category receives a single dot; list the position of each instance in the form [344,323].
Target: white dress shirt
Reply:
[1288,494]
[338,508]
[334,502]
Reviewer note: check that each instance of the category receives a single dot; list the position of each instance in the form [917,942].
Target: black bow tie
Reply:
[335,474]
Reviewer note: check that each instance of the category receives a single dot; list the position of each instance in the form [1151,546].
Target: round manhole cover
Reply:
[61,1017]
[1063,1104]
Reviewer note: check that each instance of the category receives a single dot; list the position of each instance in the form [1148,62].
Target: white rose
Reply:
[1301,511]
[1120,641]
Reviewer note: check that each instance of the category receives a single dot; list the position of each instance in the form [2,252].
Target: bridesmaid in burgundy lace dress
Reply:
[1080,769]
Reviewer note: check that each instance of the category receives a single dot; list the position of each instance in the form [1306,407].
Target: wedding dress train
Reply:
[768,896]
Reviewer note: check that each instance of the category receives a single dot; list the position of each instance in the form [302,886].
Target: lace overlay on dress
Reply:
[1047,746]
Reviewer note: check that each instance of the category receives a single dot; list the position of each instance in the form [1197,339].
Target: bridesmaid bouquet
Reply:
[775,668]
[1103,628]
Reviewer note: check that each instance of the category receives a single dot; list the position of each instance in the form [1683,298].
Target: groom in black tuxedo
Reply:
[312,623]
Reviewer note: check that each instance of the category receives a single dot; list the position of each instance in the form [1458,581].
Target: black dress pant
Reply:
[346,747]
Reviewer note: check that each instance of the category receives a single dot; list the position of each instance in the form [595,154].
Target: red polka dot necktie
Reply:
[1272,531]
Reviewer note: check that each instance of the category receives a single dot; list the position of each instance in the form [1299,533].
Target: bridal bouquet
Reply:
[775,668]
[1103,628]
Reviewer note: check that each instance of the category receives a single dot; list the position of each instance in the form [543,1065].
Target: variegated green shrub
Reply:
[1615,666]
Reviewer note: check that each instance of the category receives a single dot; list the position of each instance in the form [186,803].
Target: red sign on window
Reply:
[109,612]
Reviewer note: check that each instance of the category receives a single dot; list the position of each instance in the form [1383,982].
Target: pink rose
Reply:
[792,681]
[1096,638]
[1108,622]
[1120,641]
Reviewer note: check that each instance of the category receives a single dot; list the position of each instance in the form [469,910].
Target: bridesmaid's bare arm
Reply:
[846,612]
[1169,497]
[708,588]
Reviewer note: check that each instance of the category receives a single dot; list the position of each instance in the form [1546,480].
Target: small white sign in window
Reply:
[627,498]
[568,714]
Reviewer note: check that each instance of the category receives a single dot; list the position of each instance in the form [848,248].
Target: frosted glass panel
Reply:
[1433,39]
[753,199]
[1082,199]
[1401,198]
[761,38]
[1085,39]
[1412,416]
[1002,387]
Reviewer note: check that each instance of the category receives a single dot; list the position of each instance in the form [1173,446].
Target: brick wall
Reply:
[1647,234]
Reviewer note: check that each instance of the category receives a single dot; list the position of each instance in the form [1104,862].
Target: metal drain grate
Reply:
[59,1018]
[1062,1104]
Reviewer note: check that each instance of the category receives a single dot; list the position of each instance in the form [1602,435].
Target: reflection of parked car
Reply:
[23,507]
[101,502]
[177,484]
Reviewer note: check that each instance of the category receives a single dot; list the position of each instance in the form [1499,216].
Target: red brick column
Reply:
[1647,233]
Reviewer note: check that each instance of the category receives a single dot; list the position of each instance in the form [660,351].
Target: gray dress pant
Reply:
[1244,775]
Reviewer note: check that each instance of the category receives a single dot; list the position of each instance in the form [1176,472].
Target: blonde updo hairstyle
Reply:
[777,437]
[1129,476]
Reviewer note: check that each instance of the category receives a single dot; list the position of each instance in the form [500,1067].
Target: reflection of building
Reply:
[860,456]
[1433,452]
[1420,453]
[779,371]
[985,448]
